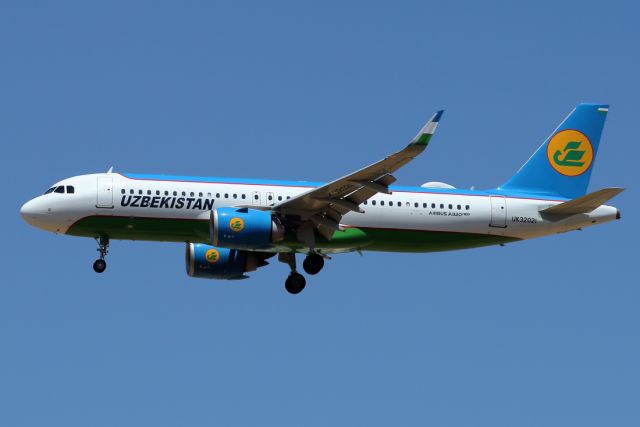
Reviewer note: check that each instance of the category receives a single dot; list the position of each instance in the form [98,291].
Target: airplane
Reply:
[232,226]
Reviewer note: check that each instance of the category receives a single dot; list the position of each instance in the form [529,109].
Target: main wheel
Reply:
[295,283]
[99,266]
[313,263]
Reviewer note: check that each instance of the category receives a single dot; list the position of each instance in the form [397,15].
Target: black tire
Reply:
[99,266]
[295,283]
[313,263]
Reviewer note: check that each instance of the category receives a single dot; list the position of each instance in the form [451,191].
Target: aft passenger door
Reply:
[498,212]
[105,192]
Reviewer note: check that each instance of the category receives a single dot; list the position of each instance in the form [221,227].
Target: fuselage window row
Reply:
[417,205]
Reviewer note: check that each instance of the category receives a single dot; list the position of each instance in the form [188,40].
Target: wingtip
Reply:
[427,131]
[437,116]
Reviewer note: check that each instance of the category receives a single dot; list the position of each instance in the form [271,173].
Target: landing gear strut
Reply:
[296,282]
[313,263]
[100,264]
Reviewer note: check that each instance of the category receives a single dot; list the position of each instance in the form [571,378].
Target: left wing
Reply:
[323,207]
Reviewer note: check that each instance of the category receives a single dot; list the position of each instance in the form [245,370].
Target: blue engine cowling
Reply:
[244,228]
[210,262]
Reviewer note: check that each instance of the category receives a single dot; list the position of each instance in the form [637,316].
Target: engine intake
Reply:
[210,262]
[244,228]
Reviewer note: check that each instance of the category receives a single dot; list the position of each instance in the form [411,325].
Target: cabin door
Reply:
[498,212]
[105,192]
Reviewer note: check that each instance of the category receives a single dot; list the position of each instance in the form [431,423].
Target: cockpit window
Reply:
[59,189]
[50,190]
[70,189]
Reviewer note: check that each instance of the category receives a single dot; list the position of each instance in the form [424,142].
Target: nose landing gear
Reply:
[100,265]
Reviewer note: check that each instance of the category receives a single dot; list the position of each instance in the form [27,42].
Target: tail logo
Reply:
[212,256]
[570,152]
[236,224]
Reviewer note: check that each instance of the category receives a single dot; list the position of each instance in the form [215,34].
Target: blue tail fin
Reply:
[563,163]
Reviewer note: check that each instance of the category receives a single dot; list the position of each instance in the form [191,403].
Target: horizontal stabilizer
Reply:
[584,204]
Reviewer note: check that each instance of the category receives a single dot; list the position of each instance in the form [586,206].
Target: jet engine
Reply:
[244,228]
[210,262]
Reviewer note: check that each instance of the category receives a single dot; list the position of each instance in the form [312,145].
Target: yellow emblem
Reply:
[236,224]
[570,152]
[212,256]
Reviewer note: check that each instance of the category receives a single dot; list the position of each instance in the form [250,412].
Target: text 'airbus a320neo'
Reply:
[232,226]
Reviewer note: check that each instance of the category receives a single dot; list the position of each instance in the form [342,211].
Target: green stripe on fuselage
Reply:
[197,231]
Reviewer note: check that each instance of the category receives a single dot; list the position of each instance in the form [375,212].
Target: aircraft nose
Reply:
[28,210]
[35,213]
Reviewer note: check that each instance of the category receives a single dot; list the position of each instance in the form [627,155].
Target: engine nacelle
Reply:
[210,262]
[243,228]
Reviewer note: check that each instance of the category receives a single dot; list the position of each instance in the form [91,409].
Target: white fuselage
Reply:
[407,208]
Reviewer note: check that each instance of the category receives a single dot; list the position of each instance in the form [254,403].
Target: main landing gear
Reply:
[313,263]
[100,264]
[296,282]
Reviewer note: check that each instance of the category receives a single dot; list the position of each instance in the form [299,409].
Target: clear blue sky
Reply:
[544,332]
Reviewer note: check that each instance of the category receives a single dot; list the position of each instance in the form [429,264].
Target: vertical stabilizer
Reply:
[563,163]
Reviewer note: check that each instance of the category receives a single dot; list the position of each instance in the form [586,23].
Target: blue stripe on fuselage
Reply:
[313,184]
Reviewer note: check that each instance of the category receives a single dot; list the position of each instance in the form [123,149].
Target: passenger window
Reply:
[270,197]
[184,193]
[433,205]
[175,193]
[244,196]
[399,204]
[365,202]
[226,195]
[209,195]
[166,193]
[467,207]
[441,205]
[450,206]
[373,202]
[235,196]
[122,191]
[288,197]
[255,196]
[199,194]
[459,207]
[59,189]
[148,192]
[424,205]
[131,191]
[70,189]
[381,202]
[415,205]
[140,192]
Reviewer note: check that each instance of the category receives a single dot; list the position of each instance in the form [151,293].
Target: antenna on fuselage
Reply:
[110,169]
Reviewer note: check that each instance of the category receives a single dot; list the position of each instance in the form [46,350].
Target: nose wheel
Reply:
[100,265]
